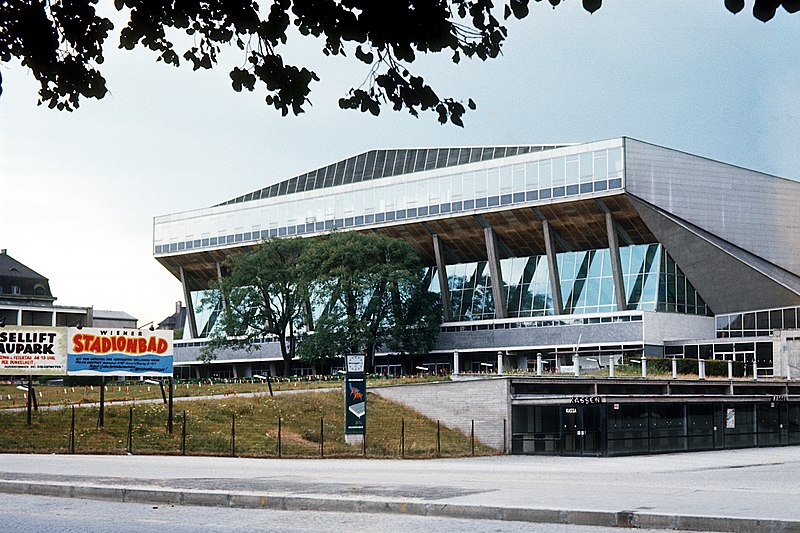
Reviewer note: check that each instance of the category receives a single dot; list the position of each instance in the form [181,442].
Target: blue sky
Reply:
[80,189]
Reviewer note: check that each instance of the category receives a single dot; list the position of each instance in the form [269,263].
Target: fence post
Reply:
[101,417]
[72,433]
[364,443]
[183,434]
[472,437]
[403,438]
[233,435]
[321,438]
[169,408]
[130,430]
[438,440]
[279,438]
[29,398]
[505,442]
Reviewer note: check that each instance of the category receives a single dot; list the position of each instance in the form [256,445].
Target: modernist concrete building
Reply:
[572,253]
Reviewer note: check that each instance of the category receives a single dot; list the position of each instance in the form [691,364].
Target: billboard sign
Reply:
[119,352]
[33,350]
[355,396]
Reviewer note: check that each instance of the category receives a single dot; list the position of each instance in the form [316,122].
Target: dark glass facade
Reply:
[652,282]
[652,427]
[757,323]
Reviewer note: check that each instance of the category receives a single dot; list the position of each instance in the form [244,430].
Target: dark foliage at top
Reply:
[62,43]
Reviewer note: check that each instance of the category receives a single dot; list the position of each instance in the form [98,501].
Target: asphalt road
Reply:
[752,486]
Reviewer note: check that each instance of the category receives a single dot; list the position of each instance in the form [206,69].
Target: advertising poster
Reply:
[119,352]
[355,396]
[730,419]
[33,350]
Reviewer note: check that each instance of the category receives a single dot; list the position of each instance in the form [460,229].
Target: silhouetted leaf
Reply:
[734,6]
[791,6]
[764,10]
[592,5]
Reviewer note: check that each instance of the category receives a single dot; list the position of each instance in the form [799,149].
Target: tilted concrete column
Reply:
[616,265]
[441,273]
[494,269]
[219,279]
[555,281]
[187,295]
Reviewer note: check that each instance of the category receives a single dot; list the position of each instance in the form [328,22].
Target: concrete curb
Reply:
[245,500]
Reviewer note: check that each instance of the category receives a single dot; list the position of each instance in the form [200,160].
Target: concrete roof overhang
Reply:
[729,278]
[578,225]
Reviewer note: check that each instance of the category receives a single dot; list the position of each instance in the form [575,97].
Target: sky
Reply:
[78,191]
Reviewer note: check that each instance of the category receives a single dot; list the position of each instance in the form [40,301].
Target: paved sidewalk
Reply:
[732,490]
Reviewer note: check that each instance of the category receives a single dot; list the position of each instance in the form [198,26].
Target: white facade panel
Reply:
[754,211]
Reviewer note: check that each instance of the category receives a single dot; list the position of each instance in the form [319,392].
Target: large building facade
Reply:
[26,300]
[573,254]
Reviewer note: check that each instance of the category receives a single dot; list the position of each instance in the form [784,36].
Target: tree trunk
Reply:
[308,315]
[286,354]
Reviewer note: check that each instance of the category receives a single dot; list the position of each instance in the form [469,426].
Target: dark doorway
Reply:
[582,430]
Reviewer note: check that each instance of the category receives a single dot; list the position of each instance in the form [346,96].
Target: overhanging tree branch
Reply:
[62,43]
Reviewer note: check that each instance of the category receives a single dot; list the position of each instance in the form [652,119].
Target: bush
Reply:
[663,365]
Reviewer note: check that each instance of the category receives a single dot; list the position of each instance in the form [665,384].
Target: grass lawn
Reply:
[236,426]
[11,396]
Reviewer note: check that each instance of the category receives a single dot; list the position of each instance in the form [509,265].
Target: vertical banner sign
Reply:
[33,350]
[119,352]
[355,396]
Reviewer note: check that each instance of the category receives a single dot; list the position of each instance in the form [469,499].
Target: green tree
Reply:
[262,295]
[62,43]
[370,287]
[416,319]
[320,347]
